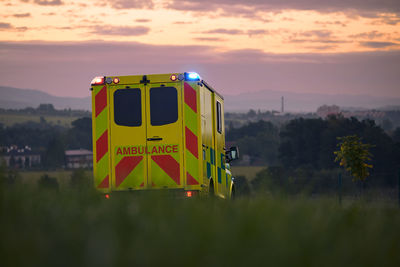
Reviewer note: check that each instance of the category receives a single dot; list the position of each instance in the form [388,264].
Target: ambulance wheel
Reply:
[211,189]
[233,193]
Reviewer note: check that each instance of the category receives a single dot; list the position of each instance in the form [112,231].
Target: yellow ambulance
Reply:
[161,131]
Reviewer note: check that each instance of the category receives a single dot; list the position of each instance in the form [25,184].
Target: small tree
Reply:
[354,156]
[47,182]
[79,180]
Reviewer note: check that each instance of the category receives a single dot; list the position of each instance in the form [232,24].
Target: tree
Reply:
[80,135]
[47,182]
[54,156]
[354,156]
[79,180]
[396,135]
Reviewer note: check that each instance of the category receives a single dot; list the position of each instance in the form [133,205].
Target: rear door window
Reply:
[128,107]
[163,105]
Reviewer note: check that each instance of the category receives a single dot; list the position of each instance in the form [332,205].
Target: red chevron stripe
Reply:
[191,142]
[125,167]
[101,101]
[105,183]
[169,165]
[101,146]
[190,179]
[190,97]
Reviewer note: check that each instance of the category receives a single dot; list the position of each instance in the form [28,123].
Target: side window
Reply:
[163,105]
[219,118]
[128,107]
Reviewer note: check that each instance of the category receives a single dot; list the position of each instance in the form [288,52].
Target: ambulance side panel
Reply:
[101,137]
[207,127]
[222,183]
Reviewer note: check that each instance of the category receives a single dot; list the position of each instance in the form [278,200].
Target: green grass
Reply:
[248,171]
[81,228]
[11,119]
[63,176]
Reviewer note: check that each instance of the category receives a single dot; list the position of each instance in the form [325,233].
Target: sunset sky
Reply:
[337,46]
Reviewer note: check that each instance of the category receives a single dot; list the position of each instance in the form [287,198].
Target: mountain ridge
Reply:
[16,98]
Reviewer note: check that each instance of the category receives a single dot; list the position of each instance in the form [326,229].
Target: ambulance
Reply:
[160,132]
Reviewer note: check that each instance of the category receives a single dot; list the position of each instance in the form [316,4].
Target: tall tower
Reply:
[282,104]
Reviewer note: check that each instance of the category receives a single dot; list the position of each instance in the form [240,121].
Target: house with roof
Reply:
[78,158]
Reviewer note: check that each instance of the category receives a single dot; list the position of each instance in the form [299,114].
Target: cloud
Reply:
[26,63]
[378,44]
[315,36]
[128,4]
[367,35]
[120,30]
[257,32]
[183,22]
[364,8]
[45,2]
[209,39]
[225,31]
[329,23]
[316,33]
[142,20]
[22,15]
[8,27]
[4,25]
[250,33]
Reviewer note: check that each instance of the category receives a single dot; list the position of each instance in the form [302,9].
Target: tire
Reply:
[211,191]
[233,193]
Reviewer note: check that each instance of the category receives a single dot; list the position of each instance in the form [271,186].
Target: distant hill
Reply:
[14,98]
[305,102]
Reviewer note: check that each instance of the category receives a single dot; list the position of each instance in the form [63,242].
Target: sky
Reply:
[238,46]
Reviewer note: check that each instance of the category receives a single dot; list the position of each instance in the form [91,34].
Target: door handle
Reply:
[154,139]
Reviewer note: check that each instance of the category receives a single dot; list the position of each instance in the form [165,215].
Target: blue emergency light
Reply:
[192,76]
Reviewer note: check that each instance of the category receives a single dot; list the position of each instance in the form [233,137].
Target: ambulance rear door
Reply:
[128,140]
[164,134]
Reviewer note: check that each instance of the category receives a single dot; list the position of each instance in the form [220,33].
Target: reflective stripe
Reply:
[101,100]
[191,134]
[212,156]
[191,142]
[191,180]
[208,170]
[190,97]
[125,167]
[102,146]
[101,158]
[105,183]
[169,165]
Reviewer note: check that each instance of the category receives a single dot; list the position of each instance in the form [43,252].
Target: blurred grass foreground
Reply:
[50,227]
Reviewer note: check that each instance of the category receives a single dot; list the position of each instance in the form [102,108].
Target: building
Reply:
[80,158]
[325,110]
[20,158]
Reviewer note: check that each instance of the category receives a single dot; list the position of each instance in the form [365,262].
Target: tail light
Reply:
[190,193]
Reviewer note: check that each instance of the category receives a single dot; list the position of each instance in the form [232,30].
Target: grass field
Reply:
[63,176]
[81,228]
[11,119]
[248,171]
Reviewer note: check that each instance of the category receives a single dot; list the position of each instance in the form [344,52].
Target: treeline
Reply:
[300,154]
[49,140]
[47,109]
